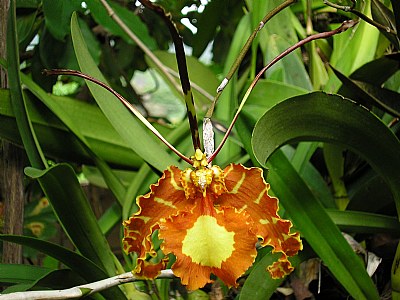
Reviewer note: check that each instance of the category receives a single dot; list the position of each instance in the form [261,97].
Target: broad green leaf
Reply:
[352,49]
[259,285]
[282,71]
[78,263]
[377,71]
[57,14]
[366,189]
[112,180]
[368,94]
[134,134]
[300,159]
[207,25]
[315,225]
[25,26]
[12,274]
[59,279]
[62,188]
[278,35]
[333,119]
[266,94]
[396,12]
[88,118]
[328,118]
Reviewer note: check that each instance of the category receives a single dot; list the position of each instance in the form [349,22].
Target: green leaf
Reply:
[24,124]
[317,228]
[259,285]
[352,49]
[361,222]
[25,26]
[101,136]
[266,94]
[134,134]
[396,12]
[369,94]
[57,14]
[329,118]
[366,189]
[207,24]
[78,263]
[62,188]
[385,16]
[376,72]
[131,19]
[199,74]
[12,274]
[333,119]
[112,180]
[277,36]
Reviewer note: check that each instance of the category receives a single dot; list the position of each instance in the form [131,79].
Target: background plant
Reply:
[333,162]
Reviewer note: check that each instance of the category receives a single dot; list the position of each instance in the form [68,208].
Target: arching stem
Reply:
[345,25]
[125,102]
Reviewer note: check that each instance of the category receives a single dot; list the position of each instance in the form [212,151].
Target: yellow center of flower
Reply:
[208,243]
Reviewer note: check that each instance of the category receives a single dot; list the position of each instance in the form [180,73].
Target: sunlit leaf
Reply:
[140,139]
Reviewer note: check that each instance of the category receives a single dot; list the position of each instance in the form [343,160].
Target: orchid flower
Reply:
[211,220]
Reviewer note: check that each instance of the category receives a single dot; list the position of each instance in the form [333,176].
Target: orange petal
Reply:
[148,270]
[222,243]
[165,198]
[248,191]
[280,268]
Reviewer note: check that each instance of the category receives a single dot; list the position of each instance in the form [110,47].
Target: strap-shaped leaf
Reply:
[79,264]
[134,134]
[330,118]
[24,123]
[61,186]
[102,137]
[13,273]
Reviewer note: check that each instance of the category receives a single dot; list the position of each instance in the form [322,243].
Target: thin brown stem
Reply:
[243,52]
[163,69]
[359,14]
[345,25]
[182,68]
[125,102]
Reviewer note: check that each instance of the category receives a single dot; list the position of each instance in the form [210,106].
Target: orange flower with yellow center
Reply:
[211,220]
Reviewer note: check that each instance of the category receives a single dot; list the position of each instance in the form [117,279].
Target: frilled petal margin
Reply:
[247,190]
[210,220]
[164,199]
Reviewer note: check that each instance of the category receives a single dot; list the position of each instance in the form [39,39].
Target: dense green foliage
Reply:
[323,122]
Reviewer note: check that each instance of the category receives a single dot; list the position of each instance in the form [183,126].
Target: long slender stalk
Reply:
[345,25]
[243,52]
[359,14]
[141,45]
[82,290]
[182,68]
[125,102]
[167,72]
